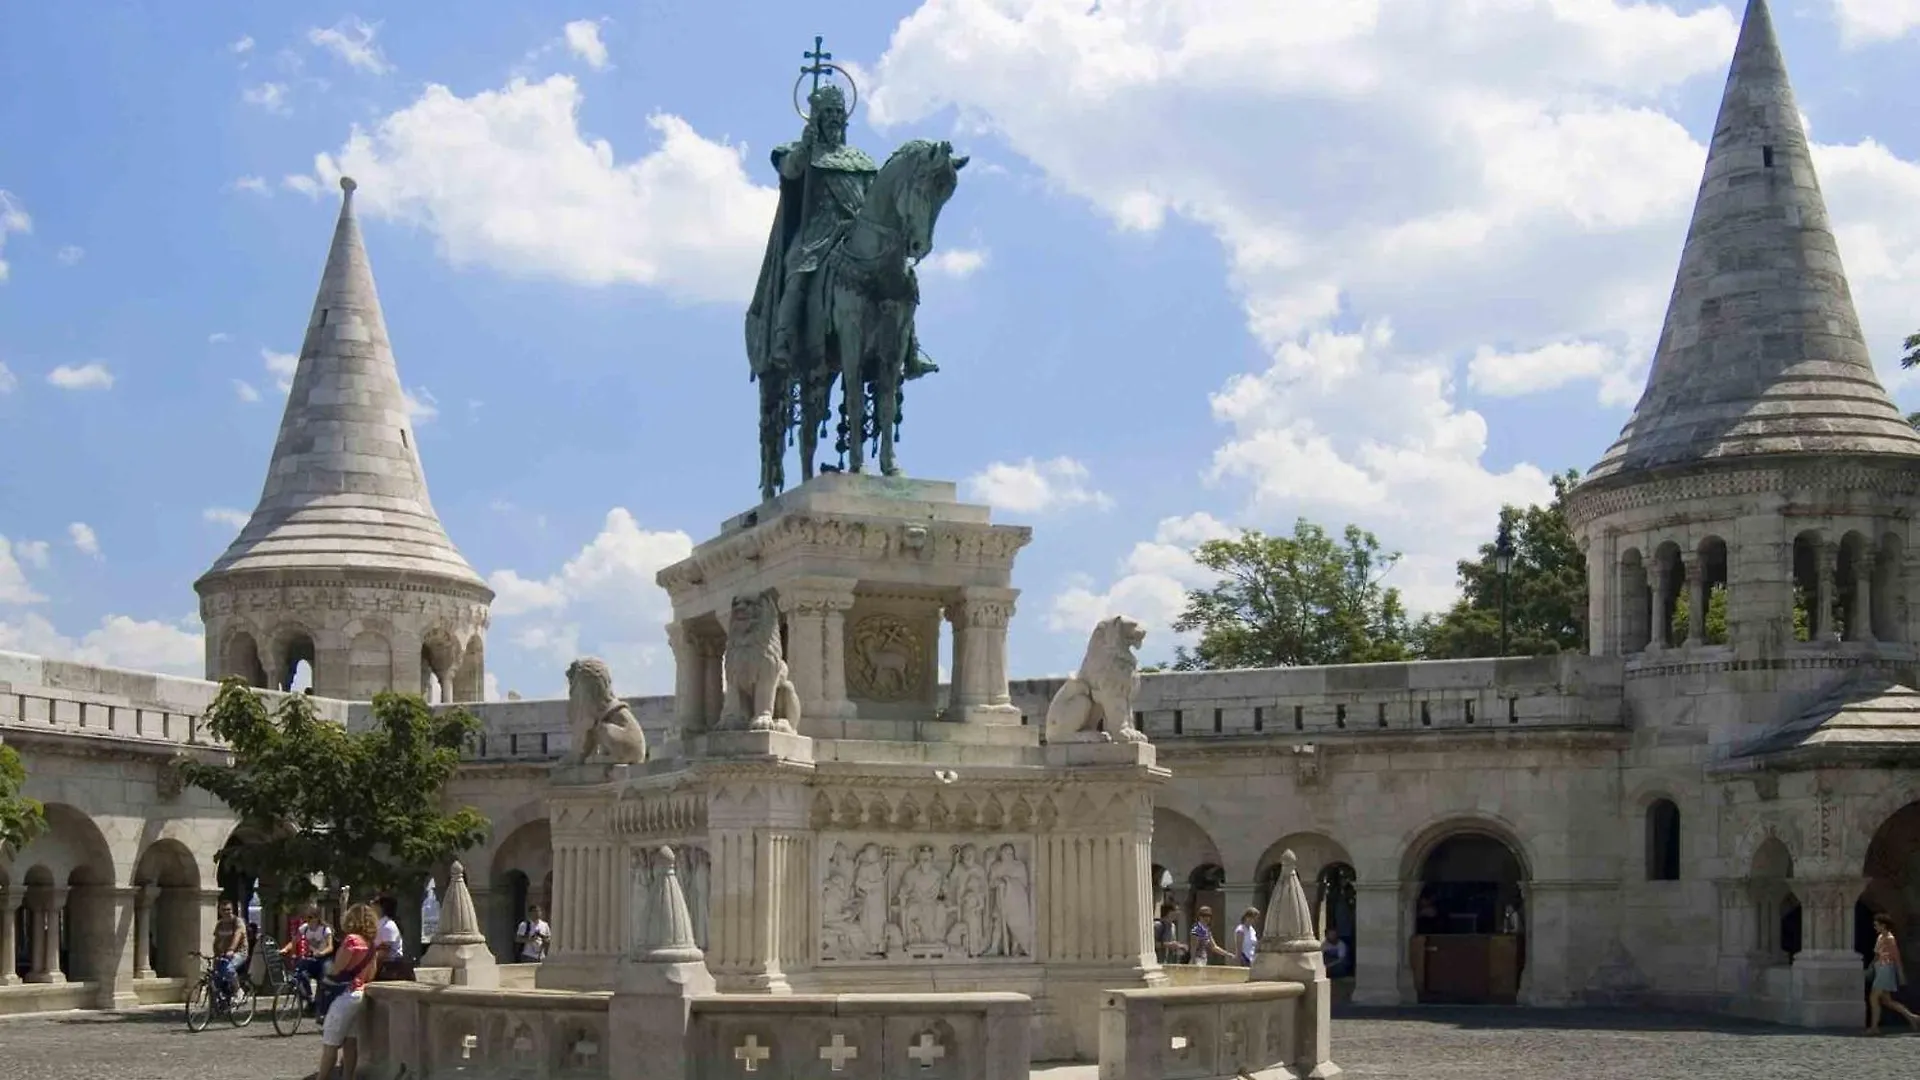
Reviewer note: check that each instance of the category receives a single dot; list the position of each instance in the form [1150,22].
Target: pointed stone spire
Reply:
[458,944]
[1762,351]
[345,489]
[665,931]
[1289,922]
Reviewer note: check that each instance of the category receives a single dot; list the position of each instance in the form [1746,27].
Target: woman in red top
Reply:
[355,963]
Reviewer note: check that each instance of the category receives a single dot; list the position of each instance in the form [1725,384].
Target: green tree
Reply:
[1285,601]
[1546,590]
[21,818]
[362,807]
[1716,627]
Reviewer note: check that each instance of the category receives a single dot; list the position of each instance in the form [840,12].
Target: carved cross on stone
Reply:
[585,1050]
[467,1045]
[839,1053]
[522,1044]
[927,1051]
[752,1053]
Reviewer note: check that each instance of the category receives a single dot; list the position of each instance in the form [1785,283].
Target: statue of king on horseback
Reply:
[837,290]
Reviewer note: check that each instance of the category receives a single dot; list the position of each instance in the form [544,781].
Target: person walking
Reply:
[1205,950]
[355,963]
[1246,938]
[1885,975]
[532,936]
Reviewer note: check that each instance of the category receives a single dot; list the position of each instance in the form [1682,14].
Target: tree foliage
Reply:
[1716,623]
[1546,590]
[361,807]
[21,818]
[1285,601]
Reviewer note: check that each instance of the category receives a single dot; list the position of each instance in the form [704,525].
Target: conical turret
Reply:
[1762,351]
[344,528]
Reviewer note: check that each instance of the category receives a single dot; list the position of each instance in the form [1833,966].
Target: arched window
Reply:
[1663,841]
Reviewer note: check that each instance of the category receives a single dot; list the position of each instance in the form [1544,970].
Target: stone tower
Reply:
[344,564]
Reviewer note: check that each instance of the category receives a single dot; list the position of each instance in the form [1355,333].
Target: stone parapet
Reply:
[1203,1032]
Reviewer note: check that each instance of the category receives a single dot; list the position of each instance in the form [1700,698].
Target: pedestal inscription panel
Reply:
[961,899]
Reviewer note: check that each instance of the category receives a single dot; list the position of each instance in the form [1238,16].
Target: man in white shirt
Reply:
[532,936]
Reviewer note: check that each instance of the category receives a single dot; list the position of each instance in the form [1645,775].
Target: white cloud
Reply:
[7,379]
[35,553]
[420,404]
[507,179]
[302,185]
[244,390]
[491,689]
[119,641]
[219,337]
[583,41]
[1873,200]
[1151,584]
[13,219]
[271,96]
[1035,487]
[84,539]
[1444,167]
[352,41]
[281,365]
[242,46]
[70,255]
[94,376]
[604,596]
[1864,22]
[255,184]
[14,587]
[227,516]
[955,263]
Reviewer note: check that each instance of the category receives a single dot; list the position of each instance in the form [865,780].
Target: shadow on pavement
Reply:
[1490,1017]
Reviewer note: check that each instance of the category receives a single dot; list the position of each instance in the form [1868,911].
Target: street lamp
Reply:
[1503,565]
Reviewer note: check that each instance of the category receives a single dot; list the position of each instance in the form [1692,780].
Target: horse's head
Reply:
[917,181]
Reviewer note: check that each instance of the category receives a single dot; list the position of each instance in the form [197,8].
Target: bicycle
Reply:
[205,998]
[292,994]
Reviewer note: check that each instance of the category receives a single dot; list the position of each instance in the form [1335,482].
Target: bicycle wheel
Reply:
[199,1006]
[240,1009]
[289,1008]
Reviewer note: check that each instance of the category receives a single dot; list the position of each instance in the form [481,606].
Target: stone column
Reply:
[978,692]
[10,901]
[1696,599]
[50,910]
[1658,625]
[689,684]
[1821,626]
[1551,908]
[760,882]
[1860,620]
[1826,971]
[713,652]
[1381,973]
[143,899]
[1737,935]
[815,609]
[109,916]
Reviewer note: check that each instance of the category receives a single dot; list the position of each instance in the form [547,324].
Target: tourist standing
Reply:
[1886,976]
[355,963]
[1205,949]
[391,944]
[532,936]
[230,946]
[1166,936]
[1246,937]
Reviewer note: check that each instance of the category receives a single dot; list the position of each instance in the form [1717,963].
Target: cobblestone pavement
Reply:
[1428,1044]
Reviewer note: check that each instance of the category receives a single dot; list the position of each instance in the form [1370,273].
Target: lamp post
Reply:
[1503,565]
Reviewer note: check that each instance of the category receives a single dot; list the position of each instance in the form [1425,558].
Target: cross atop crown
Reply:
[820,66]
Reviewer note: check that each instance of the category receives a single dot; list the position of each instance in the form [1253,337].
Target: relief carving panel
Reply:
[956,899]
[888,660]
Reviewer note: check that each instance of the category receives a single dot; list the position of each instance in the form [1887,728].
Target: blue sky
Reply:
[1218,263]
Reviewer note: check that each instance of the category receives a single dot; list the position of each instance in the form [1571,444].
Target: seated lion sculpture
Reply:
[601,722]
[760,696]
[1097,703]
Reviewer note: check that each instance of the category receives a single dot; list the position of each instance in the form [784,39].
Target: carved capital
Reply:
[816,596]
[983,607]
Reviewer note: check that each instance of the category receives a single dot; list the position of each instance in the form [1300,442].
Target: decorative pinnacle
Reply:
[347,185]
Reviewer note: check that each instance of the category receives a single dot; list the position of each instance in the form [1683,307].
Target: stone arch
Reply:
[1635,605]
[1470,874]
[293,644]
[470,679]
[369,664]
[1181,844]
[439,656]
[1853,587]
[1756,835]
[1892,870]
[1890,589]
[1809,552]
[1420,843]
[69,880]
[240,657]
[168,874]
[1663,844]
[1714,582]
[520,864]
[1669,572]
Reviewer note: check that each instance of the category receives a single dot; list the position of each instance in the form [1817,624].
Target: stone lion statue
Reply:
[760,696]
[1101,693]
[601,722]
